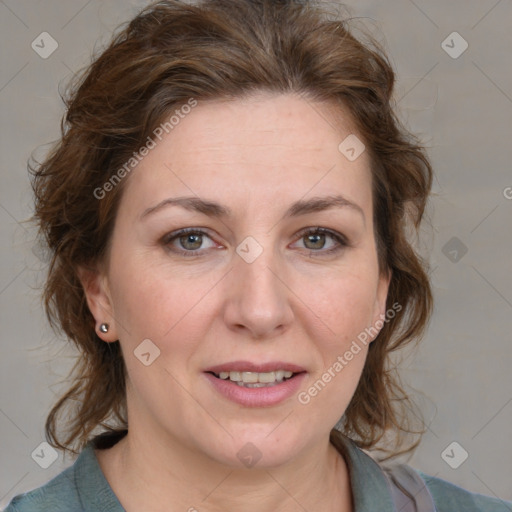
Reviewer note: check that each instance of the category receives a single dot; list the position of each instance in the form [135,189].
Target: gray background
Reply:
[461,108]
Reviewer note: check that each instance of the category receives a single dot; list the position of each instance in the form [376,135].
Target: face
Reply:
[271,275]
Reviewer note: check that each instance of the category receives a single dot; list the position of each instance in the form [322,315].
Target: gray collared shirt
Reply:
[83,488]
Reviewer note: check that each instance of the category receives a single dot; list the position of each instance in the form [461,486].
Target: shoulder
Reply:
[81,487]
[392,488]
[449,497]
[59,494]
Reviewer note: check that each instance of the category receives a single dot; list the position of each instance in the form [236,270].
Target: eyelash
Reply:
[341,241]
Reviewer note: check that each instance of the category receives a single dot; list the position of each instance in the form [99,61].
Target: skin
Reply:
[294,303]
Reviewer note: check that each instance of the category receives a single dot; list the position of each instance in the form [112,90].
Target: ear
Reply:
[99,300]
[379,309]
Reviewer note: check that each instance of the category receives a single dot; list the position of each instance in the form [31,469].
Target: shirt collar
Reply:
[369,484]
[93,488]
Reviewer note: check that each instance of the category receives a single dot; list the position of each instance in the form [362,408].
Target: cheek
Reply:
[344,305]
[151,302]
[169,310]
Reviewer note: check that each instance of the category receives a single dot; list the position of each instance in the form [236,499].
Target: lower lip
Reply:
[257,397]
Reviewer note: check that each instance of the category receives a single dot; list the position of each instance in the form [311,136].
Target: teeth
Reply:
[256,378]
[250,377]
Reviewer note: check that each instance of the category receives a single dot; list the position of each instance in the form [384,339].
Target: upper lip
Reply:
[248,366]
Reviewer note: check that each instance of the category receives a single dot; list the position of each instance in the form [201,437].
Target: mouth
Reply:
[248,379]
[256,385]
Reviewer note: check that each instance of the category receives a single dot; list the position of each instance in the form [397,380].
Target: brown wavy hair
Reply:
[223,49]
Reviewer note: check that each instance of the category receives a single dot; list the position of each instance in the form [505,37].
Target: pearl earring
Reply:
[104,328]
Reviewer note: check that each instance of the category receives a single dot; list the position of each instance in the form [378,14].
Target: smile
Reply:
[256,379]
[256,389]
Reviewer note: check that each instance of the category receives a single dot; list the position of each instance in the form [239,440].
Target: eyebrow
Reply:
[213,209]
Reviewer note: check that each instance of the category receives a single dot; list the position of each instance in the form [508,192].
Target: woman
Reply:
[227,213]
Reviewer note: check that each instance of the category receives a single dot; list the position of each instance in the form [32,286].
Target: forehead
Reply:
[255,147]
[264,119]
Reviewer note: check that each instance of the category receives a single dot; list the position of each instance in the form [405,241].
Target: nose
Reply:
[258,297]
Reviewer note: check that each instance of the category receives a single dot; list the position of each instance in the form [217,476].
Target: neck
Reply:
[147,475]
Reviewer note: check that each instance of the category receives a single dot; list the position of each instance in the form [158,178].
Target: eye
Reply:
[190,241]
[187,241]
[317,240]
